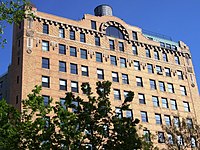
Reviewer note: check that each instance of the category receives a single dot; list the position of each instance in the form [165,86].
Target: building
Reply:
[61,54]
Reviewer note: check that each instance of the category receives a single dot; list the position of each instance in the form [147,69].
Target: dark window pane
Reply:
[114,32]
[62,66]
[73,51]
[45,63]
[99,57]
[73,68]
[45,29]
[93,25]
[72,35]
[62,49]
[82,37]
[83,54]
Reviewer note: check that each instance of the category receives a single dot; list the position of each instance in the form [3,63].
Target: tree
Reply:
[182,134]
[12,11]
[73,124]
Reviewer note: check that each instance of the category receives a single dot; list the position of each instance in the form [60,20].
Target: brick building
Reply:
[60,54]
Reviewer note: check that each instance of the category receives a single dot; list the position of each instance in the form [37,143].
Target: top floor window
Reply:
[134,34]
[114,32]
[61,33]
[148,54]
[46,28]
[177,61]
[156,55]
[72,35]
[165,57]
[93,25]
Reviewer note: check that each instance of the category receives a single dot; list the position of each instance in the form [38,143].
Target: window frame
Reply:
[73,68]
[45,63]
[46,81]
[62,66]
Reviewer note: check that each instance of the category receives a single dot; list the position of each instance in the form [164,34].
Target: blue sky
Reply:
[178,19]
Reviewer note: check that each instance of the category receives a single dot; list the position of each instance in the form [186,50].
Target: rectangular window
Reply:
[134,50]
[61,33]
[117,95]
[129,113]
[193,142]
[118,112]
[141,98]
[45,63]
[161,137]
[45,81]
[74,86]
[99,57]
[100,74]
[170,138]
[45,45]
[93,25]
[82,37]
[46,28]
[150,68]
[84,70]
[170,87]
[136,65]
[115,77]
[180,75]
[186,106]
[161,86]
[83,53]
[134,35]
[164,102]
[158,119]
[148,54]
[62,49]
[113,60]
[165,57]
[156,55]
[63,84]
[162,44]
[167,120]
[121,46]
[62,66]
[46,99]
[73,51]
[176,58]
[62,102]
[176,122]
[73,68]
[139,81]
[155,101]
[152,84]
[167,72]
[97,41]
[183,90]
[122,62]
[125,94]
[72,35]
[146,134]
[125,79]
[112,45]
[189,123]
[159,70]
[173,104]
[168,46]
[144,116]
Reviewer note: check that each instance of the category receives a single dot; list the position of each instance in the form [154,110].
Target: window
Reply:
[73,51]
[129,113]
[159,70]
[189,123]
[141,98]
[168,46]
[99,57]
[167,120]
[134,34]
[134,50]
[148,54]
[152,84]
[74,86]
[161,137]
[165,57]
[155,101]
[62,66]
[150,68]
[45,45]
[156,55]
[100,74]
[112,45]
[139,81]
[84,70]
[46,99]
[62,49]
[186,106]
[113,60]
[63,84]
[115,77]
[125,79]
[97,41]
[167,72]
[121,46]
[114,32]
[146,135]
[180,75]
[122,62]
[125,94]
[170,138]
[161,86]
[45,81]
[62,102]
[170,87]
[45,63]
[176,58]
[93,25]
[144,116]
[118,112]
[72,35]
[164,103]
[183,90]
[73,68]
[61,33]
[83,53]
[136,65]
[117,95]
[46,28]
[176,122]
[158,119]
[193,142]
[82,37]
[173,104]
[75,105]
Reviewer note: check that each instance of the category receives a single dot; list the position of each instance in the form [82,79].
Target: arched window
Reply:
[114,32]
